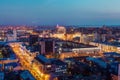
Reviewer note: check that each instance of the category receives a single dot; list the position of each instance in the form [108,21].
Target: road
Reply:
[26,61]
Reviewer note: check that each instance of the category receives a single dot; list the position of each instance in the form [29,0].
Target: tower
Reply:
[14,35]
[96,36]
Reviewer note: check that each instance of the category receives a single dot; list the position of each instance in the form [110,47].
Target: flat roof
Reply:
[10,58]
[42,59]
[26,75]
[79,45]
[49,39]
[98,61]
[14,64]
[117,44]
[57,62]
[115,67]
[111,53]
[2,75]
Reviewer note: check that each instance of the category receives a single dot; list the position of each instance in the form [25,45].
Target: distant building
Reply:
[61,29]
[15,34]
[2,35]
[12,36]
[96,36]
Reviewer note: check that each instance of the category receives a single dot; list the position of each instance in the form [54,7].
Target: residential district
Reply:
[59,53]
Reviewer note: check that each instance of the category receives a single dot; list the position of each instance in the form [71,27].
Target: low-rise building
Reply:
[107,46]
[26,75]
[2,75]
[59,67]
[44,63]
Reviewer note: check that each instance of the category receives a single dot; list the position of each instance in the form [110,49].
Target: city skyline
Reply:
[59,53]
[64,12]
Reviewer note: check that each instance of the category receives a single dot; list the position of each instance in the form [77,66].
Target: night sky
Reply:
[63,12]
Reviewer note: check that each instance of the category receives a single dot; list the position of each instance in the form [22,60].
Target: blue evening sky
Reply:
[64,12]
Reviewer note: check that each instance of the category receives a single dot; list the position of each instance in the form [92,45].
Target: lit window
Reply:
[48,65]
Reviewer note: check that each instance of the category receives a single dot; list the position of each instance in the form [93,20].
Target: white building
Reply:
[12,37]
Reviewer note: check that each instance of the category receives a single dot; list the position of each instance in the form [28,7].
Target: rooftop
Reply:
[25,75]
[57,61]
[1,75]
[117,44]
[99,61]
[113,54]
[70,44]
[42,59]
[14,64]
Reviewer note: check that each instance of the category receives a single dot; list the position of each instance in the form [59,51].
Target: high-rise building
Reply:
[96,36]
[47,46]
[103,37]
[33,39]
[14,34]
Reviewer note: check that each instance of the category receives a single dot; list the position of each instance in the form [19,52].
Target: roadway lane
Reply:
[26,61]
